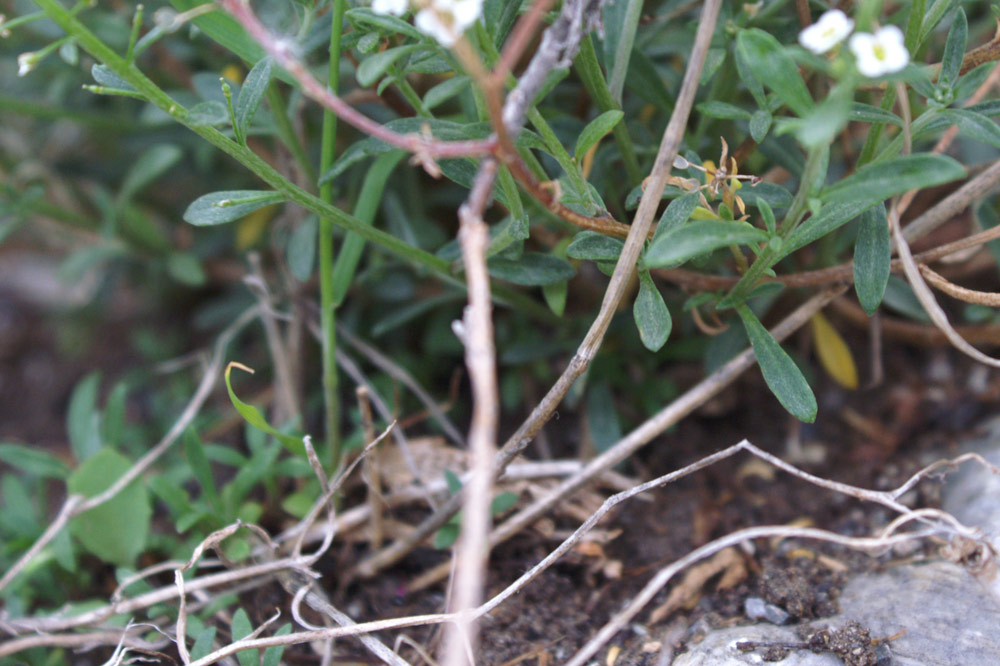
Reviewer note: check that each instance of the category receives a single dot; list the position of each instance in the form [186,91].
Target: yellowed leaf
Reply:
[834,353]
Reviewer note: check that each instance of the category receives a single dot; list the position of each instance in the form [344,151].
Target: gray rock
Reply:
[758,609]
[949,617]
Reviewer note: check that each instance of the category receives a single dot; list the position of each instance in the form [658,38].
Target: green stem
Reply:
[328,322]
[411,96]
[589,70]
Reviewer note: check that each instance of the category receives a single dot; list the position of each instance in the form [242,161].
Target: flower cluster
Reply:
[875,54]
[444,20]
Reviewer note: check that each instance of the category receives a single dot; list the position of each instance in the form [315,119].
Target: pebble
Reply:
[758,609]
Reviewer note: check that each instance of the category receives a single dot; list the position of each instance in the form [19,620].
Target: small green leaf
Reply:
[771,64]
[697,238]
[879,181]
[210,114]
[373,67]
[652,317]
[149,166]
[445,90]
[872,258]
[714,109]
[503,503]
[228,206]
[186,269]
[33,461]
[954,51]
[866,113]
[775,195]
[107,78]
[115,531]
[252,92]
[760,123]
[602,416]
[253,416]
[783,377]
[972,125]
[555,297]
[452,481]
[194,451]
[446,536]
[203,643]
[533,269]
[242,628]
[272,655]
[595,130]
[83,422]
[677,213]
[385,23]
[592,246]
[767,215]
[113,421]
[749,79]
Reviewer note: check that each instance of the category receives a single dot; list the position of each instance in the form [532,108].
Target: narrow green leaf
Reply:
[767,215]
[878,181]
[972,125]
[82,418]
[697,238]
[385,23]
[760,123]
[445,90]
[186,269]
[595,130]
[373,67]
[254,86]
[532,269]
[211,114]
[954,51]
[149,166]
[714,109]
[228,206]
[872,258]
[592,246]
[446,536]
[749,79]
[115,531]
[194,451]
[203,643]
[621,19]
[783,377]
[866,113]
[602,416]
[108,79]
[242,628]
[272,655]
[555,297]
[33,461]
[772,65]
[503,503]
[113,420]
[677,213]
[832,216]
[253,416]
[652,317]
[776,196]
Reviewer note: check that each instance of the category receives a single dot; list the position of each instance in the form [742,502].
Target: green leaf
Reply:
[879,181]
[83,422]
[301,251]
[595,130]
[203,644]
[186,269]
[555,297]
[115,531]
[866,113]
[760,123]
[677,213]
[253,416]
[446,536]
[749,79]
[714,109]
[954,51]
[592,246]
[832,216]
[33,461]
[113,421]
[652,317]
[772,65]
[373,67]
[242,628]
[194,451]
[621,20]
[872,258]
[224,29]
[767,215]
[783,377]
[149,166]
[776,196]
[390,25]
[602,416]
[252,92]
[697,238]
[452,481]
[107,78]
[503,503]
[532,269]
[210,114]
[228,206]
[445,90]
[972,125]
[272,655]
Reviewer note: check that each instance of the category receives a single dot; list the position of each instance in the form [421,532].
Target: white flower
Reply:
[394,7]
[831,29]
[26,62]
[446,20]
[881,53]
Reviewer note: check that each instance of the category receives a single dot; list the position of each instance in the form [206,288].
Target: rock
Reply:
[758,609]
[949,617]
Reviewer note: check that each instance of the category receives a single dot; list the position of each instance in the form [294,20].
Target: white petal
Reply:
[427,22]
[890,34]
[466,12]
[831,29]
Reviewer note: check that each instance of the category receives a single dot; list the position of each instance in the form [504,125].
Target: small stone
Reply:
[756,608]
